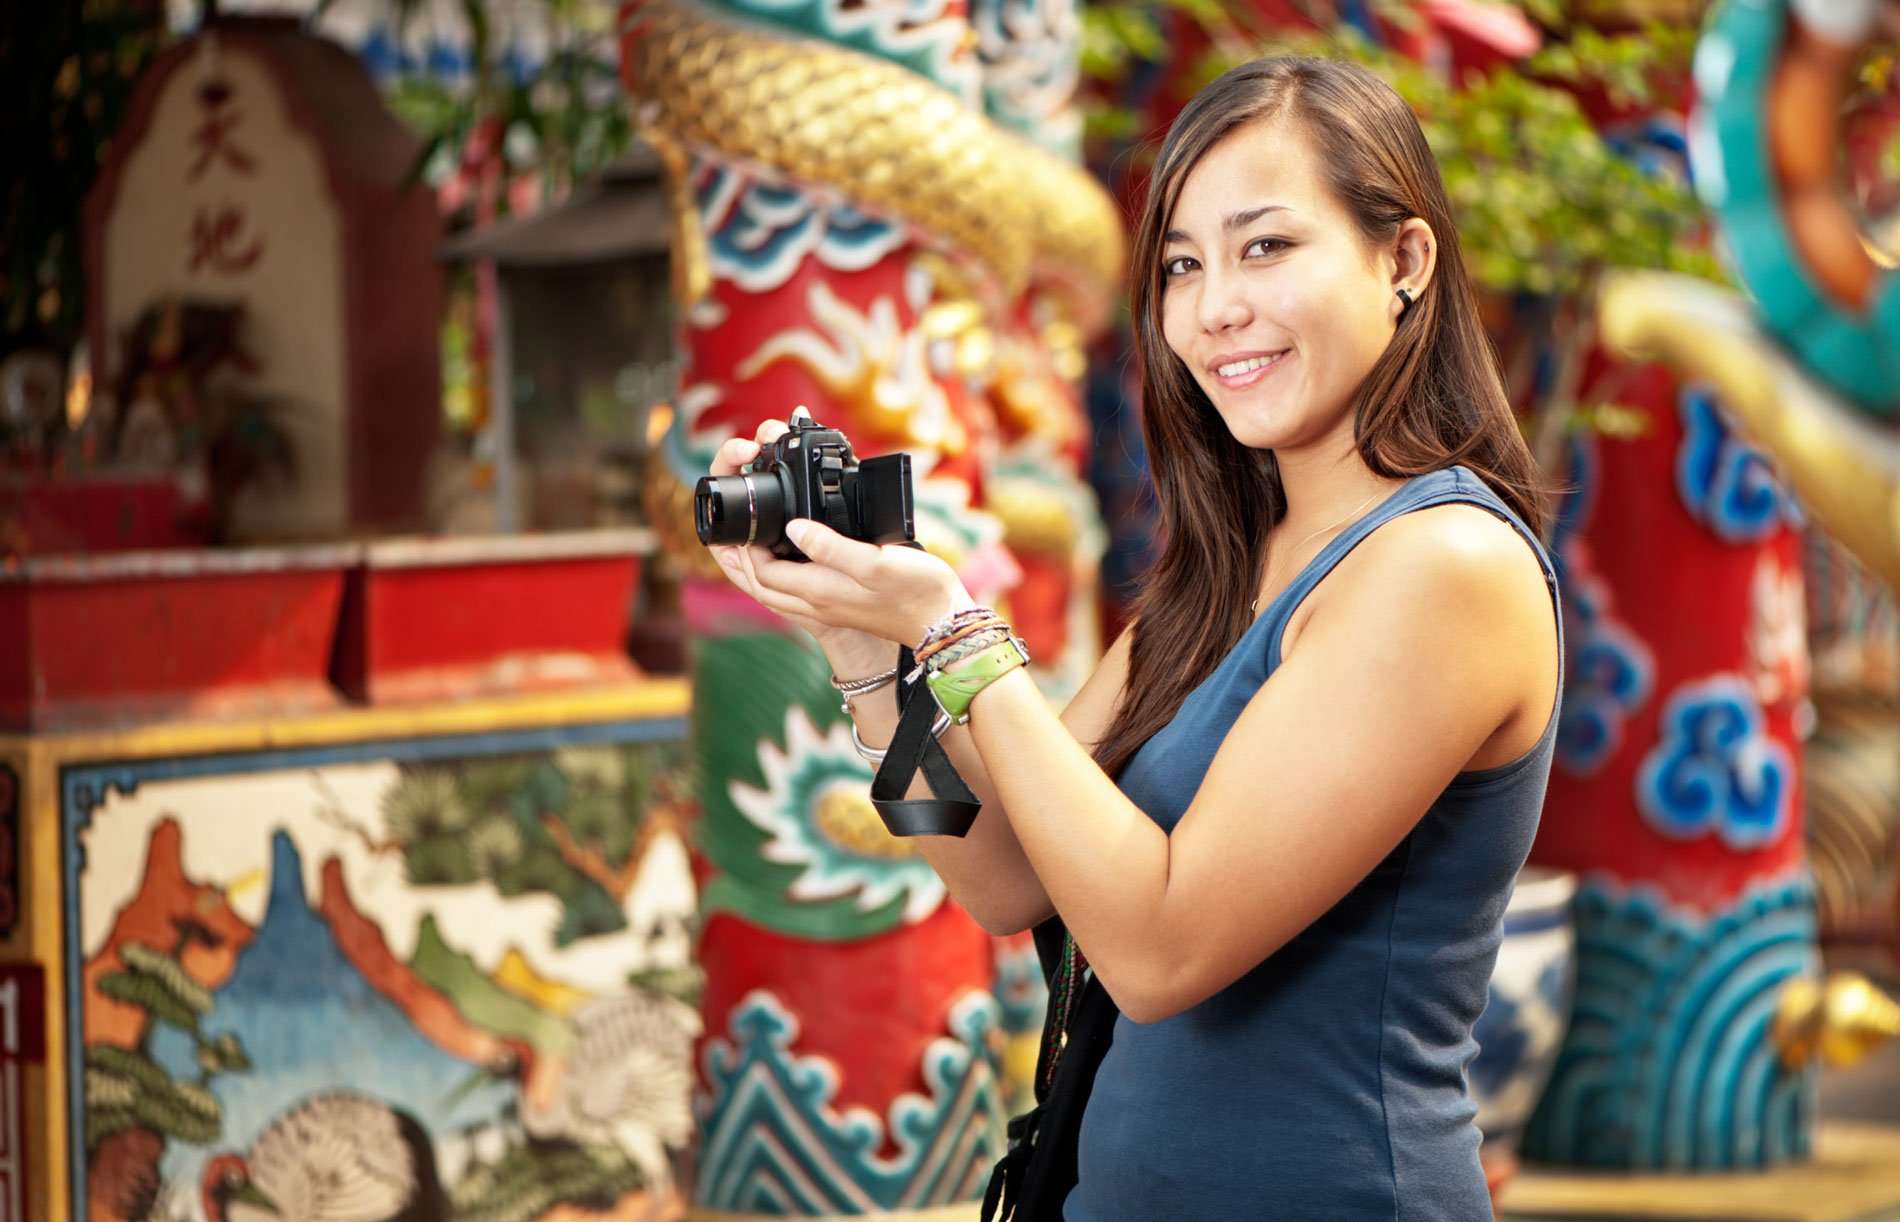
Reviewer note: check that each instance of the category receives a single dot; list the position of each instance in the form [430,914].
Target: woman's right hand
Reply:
[852,653]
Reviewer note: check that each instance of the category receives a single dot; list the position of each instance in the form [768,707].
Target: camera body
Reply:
[809,472]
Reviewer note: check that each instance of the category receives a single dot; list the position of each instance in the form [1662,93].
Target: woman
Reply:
[1283,817]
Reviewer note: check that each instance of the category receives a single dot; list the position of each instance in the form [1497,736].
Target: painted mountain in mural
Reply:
[170,910]
[312,1025]
[174,942]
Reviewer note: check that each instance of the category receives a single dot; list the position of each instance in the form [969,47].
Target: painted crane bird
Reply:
[626,1082]
[334,1158]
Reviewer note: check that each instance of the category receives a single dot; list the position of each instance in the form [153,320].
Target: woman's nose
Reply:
[1223,303]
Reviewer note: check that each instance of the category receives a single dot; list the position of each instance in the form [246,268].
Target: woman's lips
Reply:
[1235,372]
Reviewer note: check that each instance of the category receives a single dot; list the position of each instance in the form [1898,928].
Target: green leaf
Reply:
[168,972]
[150,995]
[105,1122]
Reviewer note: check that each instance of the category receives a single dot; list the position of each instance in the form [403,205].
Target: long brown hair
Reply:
[1432,400]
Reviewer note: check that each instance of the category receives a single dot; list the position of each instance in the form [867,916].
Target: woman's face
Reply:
[1270,295]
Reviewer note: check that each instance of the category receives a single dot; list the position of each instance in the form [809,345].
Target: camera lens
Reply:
[744,508]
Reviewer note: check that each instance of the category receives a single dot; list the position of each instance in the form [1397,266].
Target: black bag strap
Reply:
[913,746]
[1031,1182]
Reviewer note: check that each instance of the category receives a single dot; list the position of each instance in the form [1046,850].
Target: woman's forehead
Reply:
[1266,165]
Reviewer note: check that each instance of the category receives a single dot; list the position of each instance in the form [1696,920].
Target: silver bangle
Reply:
[870,683]
[875,755]
[850,689]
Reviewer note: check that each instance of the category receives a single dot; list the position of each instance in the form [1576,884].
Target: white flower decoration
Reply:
[816,806]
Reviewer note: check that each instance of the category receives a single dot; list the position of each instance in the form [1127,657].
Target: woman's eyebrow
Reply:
[1231,222]
[1240,220]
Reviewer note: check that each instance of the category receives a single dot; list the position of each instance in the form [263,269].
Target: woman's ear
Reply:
[1415,257]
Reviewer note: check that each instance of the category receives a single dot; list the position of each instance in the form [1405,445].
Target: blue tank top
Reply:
[1329,1081]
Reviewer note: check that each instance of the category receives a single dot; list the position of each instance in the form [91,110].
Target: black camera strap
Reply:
[913,746]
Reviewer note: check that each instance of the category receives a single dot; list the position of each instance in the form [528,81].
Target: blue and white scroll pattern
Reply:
[1714,769]
[1725,483]
[759,231]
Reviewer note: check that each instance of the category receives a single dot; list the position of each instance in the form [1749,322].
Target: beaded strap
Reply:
[1062,994]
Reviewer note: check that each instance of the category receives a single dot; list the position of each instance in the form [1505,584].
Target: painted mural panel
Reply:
[447,978]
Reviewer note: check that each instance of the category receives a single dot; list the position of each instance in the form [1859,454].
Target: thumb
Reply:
[807,536]
[819,542]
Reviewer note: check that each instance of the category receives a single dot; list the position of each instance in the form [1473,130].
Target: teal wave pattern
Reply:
[1668,1063]
[772,1143]
[929,37]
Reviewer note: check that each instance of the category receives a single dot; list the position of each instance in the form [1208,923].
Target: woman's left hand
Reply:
[891,591]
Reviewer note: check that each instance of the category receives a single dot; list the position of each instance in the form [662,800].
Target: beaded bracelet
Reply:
[951,623]
[969,646]
[926,652]
[938,633]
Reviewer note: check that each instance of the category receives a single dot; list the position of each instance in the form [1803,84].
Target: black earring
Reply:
[1405,302]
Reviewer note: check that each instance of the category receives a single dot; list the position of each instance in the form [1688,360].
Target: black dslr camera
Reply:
[810,472]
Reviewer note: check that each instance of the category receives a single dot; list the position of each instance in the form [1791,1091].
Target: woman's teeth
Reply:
[1247,366]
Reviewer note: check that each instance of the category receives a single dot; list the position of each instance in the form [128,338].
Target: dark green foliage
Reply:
[124,1063]
[682,983]
[222,1054]
[497,820]
[150,995]
[566,124]
[497,786]
[104,1122]
[124,1088]
[589,911]
[180,1113]
[596,816]
[537,869]
[439,861]
[532,1178]
[425,803]
[1542,201]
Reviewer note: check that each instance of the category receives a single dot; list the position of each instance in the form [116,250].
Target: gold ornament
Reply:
[1841,1019]
[897,143]
[1036,521]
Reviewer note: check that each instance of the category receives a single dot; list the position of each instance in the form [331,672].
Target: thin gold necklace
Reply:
[1274,567]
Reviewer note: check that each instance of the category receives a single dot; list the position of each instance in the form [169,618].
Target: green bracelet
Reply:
[954,690]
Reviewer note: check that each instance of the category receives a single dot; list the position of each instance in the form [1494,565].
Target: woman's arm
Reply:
[1433,635]
[986,869]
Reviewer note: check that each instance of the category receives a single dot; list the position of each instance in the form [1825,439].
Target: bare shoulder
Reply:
[1446,597]
[1438,574]
[1453,548]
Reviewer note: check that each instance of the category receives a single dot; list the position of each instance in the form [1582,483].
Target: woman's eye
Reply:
[1180,265]
[1264,246]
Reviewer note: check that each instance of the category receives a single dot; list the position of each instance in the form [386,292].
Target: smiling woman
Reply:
[1281,821]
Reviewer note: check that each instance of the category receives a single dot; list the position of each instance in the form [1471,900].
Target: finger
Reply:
[759,573]
[734,454]
[732,563]
[855,559]
[770,431]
